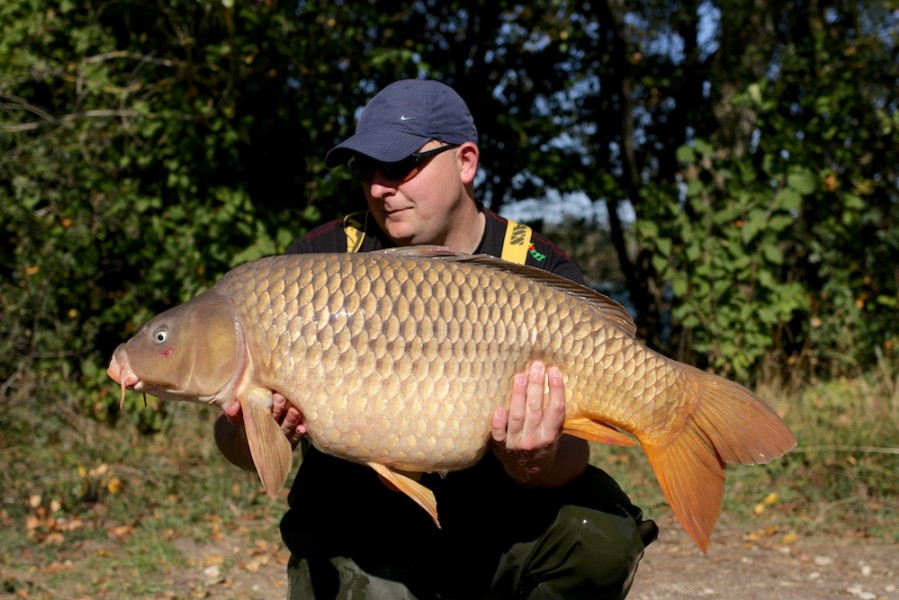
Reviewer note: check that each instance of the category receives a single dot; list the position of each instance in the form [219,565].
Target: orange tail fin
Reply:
[729,425]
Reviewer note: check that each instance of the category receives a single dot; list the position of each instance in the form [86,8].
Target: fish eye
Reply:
[160,335]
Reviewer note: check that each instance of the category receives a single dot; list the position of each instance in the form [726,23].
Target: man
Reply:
[532,519]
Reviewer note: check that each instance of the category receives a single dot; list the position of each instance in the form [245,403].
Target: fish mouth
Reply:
[120,371]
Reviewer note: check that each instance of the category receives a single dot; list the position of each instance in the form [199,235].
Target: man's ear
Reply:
[467,156]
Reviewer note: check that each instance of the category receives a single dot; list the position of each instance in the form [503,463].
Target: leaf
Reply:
[779,222]
[693,251]
[773,254]
[703,147]
[659,263]
[789,199]
[767,280]
[755,93]
[729,213]
[756,221]
[853,202]
[802,181]
[685,154]
[663,245]
[694,188]
[679,285]
[647,229]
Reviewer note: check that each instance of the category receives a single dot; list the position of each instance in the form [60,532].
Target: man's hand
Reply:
[231,438]
[528,435]
[284,412]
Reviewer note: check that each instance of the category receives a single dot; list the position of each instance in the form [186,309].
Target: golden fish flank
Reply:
[398,360]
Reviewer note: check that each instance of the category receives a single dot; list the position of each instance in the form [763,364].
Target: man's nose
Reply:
[381,186]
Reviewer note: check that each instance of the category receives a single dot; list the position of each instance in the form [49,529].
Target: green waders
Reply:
[497,542]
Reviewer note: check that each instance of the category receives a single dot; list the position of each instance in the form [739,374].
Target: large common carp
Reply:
[398,360]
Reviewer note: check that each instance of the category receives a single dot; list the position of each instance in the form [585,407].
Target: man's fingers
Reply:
[279,403]
[555,410]
[518,404]
[525,417]
[233,413]
[536,387]
[498,426]
[293,421]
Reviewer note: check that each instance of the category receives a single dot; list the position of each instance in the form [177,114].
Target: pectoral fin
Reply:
[419,493]
[269,447]
[595,431]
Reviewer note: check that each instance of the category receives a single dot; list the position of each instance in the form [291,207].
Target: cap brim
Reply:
[384,146]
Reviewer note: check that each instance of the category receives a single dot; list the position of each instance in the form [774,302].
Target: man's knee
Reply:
[585,553]
[338,578]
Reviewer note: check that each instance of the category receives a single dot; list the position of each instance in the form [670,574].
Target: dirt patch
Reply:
[231,568]
[759,565]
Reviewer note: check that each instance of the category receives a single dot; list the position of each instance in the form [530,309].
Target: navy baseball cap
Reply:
[402,118]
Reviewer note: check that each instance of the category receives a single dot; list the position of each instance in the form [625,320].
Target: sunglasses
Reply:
[402,171]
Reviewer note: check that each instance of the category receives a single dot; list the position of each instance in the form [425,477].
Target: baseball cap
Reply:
[404,116]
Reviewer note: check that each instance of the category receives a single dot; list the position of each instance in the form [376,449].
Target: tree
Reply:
[148,147]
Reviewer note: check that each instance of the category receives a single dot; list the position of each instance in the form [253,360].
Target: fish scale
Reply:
[399,360]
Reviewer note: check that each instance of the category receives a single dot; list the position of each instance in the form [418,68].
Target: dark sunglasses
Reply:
[364,167]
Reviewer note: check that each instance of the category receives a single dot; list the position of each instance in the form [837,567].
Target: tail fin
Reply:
[730,424]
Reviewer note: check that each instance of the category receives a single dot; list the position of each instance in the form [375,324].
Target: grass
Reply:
[95,511]
[92,510]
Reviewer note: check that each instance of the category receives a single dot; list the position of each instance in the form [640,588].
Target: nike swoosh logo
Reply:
[405,118]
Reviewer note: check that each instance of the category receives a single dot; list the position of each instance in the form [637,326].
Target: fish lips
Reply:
[120,371]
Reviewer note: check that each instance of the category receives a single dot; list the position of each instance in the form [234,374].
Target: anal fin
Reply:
[269,447]
[595,431]
[420,494]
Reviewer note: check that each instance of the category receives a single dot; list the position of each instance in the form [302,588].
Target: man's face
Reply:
[421,206]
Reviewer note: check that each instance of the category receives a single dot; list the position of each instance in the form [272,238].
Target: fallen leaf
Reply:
[114,486]
[120,532]
[54,539]
[99,470]
[213,560]
[252,566]
[56,567]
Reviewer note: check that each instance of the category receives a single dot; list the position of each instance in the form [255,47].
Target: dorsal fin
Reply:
[611,311]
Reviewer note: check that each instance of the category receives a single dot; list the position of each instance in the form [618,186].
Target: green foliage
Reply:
[815,115]
[130,179]
[720,239]
[775,239]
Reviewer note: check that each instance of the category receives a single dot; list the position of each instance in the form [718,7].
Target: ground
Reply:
[750,565]
[741,564]
[169,519]
[738,565]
